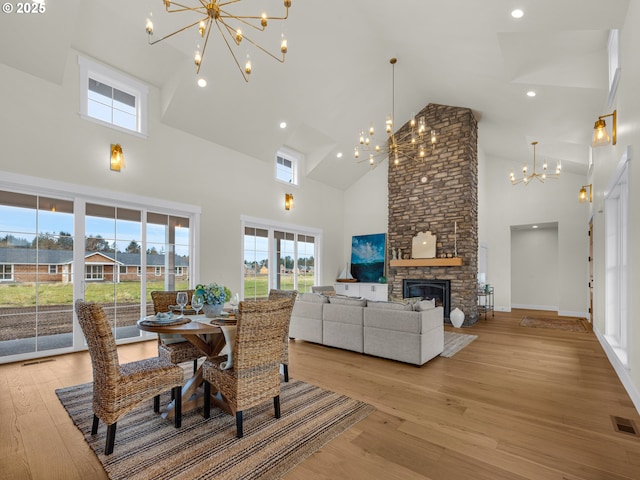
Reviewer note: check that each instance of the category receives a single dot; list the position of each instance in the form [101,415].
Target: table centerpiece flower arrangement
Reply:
[215,295]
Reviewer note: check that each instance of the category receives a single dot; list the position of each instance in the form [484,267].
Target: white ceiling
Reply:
[337,77]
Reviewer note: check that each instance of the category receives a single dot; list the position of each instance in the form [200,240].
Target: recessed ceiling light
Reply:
[283,124]
[339,154]
[534,226]
[202,82]
[531,93]
[517,13]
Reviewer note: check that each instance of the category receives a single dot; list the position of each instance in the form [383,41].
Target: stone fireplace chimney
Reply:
[438,194]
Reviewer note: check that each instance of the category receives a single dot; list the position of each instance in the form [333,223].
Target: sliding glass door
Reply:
[36,273]
[125,253]
[278,258]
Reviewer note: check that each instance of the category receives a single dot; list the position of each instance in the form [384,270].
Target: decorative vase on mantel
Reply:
[212,310]
[457,317]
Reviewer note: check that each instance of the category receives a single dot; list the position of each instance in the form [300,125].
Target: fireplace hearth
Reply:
[440,290]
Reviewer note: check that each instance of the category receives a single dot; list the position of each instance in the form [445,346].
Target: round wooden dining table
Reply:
[207,337]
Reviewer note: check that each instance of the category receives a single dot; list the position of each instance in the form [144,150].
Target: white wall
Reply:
[366,206]
[554,201]
[42,135]
[605,161]
[534,268]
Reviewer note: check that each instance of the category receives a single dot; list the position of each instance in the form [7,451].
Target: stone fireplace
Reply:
[438,194]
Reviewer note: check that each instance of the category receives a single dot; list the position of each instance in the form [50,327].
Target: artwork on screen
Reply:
[367,256]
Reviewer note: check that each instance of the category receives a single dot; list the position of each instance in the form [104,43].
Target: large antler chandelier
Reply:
[412,144]
[228,24]
[527,177]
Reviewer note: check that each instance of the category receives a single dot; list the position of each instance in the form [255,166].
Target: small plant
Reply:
[213,294]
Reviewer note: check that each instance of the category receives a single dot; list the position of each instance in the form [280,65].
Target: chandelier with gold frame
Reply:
[217,13]
[542,176]
[415,143]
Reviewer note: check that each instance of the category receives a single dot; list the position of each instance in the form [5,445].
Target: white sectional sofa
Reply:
[411,332]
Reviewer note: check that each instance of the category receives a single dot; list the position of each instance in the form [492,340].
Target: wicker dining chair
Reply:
[290,294]
[118,388]
[177,352]
[255,374]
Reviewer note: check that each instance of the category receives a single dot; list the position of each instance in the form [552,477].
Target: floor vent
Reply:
[36,362]
[624,425]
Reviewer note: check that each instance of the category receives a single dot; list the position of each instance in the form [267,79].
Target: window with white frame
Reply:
[112,98]
[123,270]
[179,271]
[6,271]
[616,215]
[280,258]
[139,271]
[93,272]
[287,167]
[158,271]
[53,269]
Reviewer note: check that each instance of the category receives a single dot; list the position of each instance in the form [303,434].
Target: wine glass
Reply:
[197,302]
[181,299]
[235,300]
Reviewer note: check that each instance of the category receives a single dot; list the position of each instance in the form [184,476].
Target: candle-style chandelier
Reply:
[527,177]
[229,25]
[412,144]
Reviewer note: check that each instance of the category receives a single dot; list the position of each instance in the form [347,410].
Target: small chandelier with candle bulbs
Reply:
[416,143]
[229,25]
[542,176]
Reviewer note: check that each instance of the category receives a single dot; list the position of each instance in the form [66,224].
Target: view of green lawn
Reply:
[25,294]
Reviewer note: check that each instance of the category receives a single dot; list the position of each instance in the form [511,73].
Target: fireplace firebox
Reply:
[440,290]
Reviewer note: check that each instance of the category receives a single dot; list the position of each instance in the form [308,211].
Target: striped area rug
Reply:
[454,342]
[149,447]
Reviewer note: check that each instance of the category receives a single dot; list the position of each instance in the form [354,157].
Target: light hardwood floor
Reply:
[517,403]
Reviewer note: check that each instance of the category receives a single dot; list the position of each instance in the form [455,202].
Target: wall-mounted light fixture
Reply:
[582,196]
[600,134]
[288,201]
[117,157]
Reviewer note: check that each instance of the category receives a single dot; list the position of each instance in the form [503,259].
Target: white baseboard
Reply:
[621,370]
[569,313]
[535,307]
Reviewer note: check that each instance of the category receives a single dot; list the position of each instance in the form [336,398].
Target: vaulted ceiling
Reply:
[337,77]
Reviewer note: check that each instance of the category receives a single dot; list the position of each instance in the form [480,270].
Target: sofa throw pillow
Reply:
[313,298]
[350,301]
[423,305]
[389,305]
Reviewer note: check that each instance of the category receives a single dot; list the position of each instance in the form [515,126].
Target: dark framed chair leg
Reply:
[286,372]
[207,400]
[156,403]
[276,405]
[239,432]
[94,427]
[111,439]
[177,412]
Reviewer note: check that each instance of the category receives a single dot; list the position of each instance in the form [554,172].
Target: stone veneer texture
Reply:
[449,195]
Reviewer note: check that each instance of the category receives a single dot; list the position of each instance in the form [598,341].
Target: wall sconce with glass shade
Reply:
[117,157]
[600,134]
[582,196]
[288,201]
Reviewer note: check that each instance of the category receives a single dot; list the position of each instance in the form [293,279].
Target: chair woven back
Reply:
[258,343]
[102,348]
[275,294]
[163,299]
